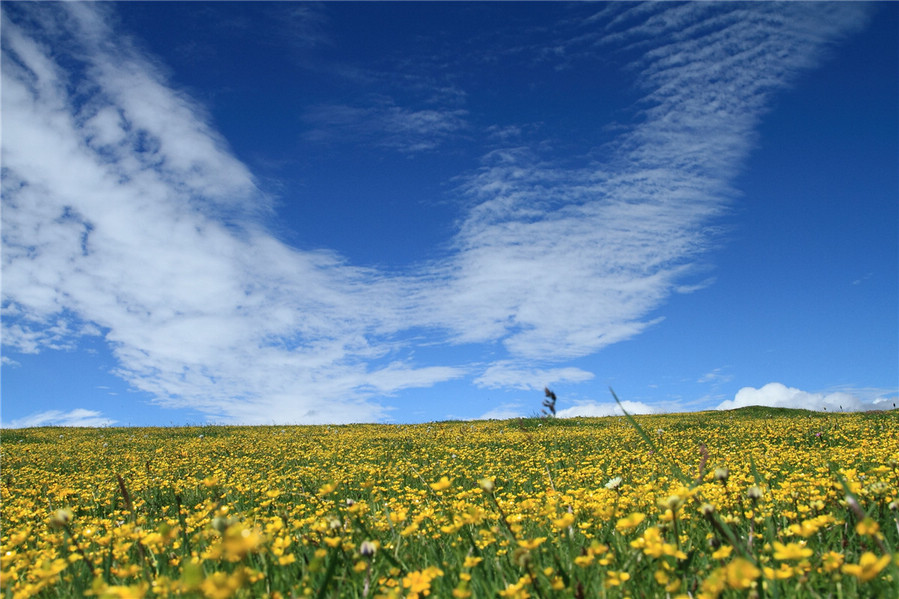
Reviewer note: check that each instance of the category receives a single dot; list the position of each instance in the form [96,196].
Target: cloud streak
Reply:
[126,215]
[386,125]
[559,262]
[78,417]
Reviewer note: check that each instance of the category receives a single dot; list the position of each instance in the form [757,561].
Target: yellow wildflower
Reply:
[531,543]
[832,561]
[867,527]
[722,552]
[221,585]
[441,484]
[564,522]
[630,522]
[868,566]
[419,582]
[741,573]
[614,579]
[791,551]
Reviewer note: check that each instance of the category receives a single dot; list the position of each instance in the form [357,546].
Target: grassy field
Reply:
[749,503]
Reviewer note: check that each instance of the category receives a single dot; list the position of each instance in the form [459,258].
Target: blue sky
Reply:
[262,213]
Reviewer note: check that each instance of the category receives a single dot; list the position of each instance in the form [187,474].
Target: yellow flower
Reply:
[516,590]
[327,489]
[583,560]
[419,582]
[791,551]
[237,542]
[629,522]
[783,572]
[564,522]
[441,484]
[285,560]
[471,561]
[614,579]
[868,566]
[867,527]
[714,584]
[124,592]
[531,543]
[722,552]
[831,561]
[221,585]
[741,573]
[654,545]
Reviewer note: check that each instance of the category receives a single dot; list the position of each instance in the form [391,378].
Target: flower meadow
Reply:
[749,503]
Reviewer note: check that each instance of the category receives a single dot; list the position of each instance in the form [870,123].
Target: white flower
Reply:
[614,483]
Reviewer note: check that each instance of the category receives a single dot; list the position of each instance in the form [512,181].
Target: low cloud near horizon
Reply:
[76,418]
[775,395]
[778,395]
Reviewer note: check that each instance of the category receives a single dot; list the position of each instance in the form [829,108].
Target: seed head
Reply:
[613,483]
[486,484]
[61,518]
[368,548]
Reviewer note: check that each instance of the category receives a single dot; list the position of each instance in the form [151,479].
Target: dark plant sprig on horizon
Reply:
[549,403]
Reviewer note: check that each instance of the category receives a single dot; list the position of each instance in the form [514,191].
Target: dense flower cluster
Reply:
[719,505]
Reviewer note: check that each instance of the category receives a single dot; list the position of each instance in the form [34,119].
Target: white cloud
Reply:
[507,375]
[594,409]
[77,417]
[778,395]
[559,262]
[503,412]
[126,215]
[715,376]
[128,212]
[385,124]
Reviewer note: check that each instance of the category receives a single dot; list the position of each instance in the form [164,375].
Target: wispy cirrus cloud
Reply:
[126,215]
[559,261]
[385,124]
[505,375]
